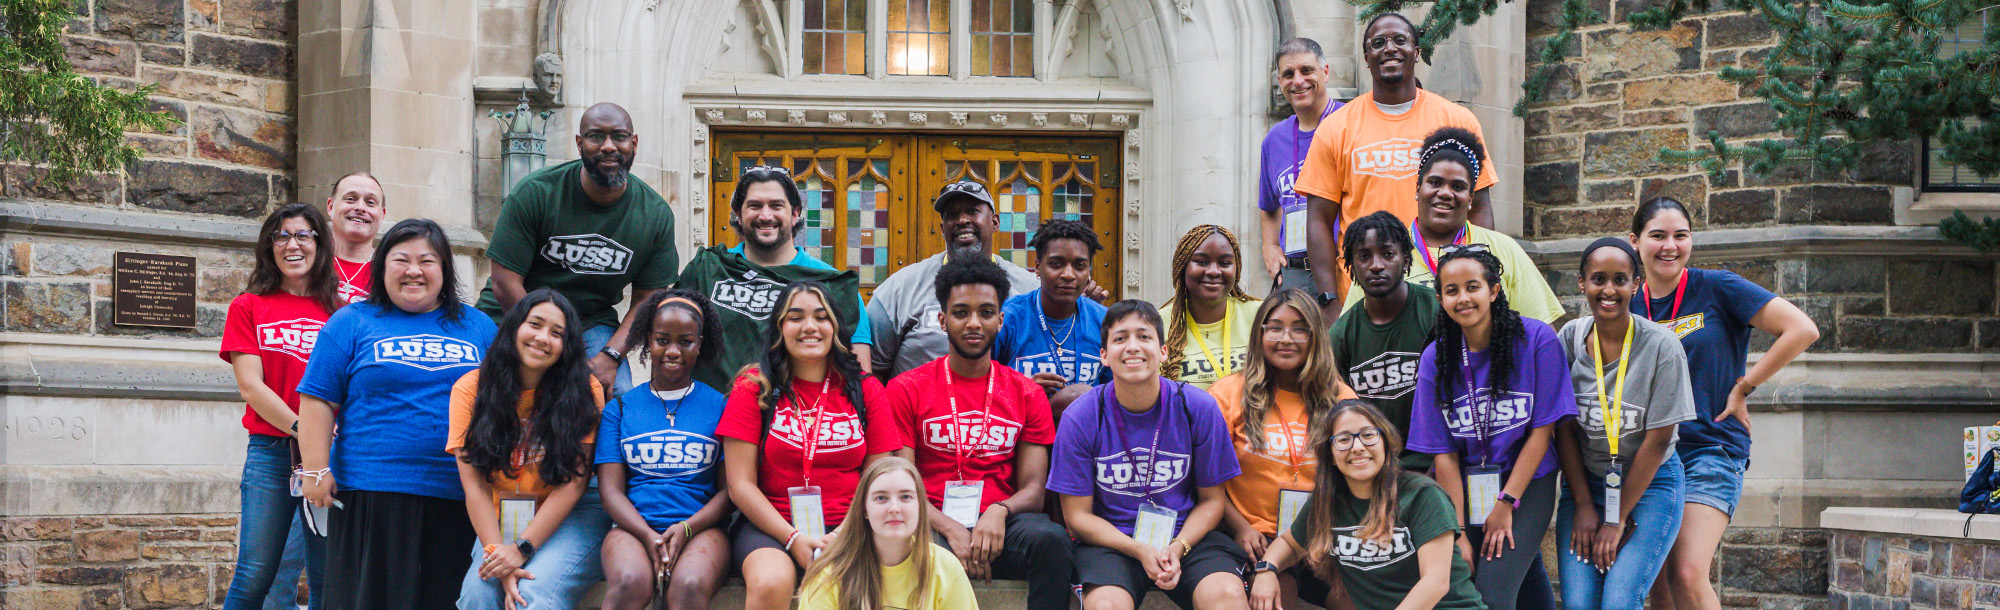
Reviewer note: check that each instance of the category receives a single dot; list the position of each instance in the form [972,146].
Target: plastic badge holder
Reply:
[1295,227]
[961,501]
[515,514]
[1290,502]
[808,516]
[1612,481]
[1482,488]
[1155,526]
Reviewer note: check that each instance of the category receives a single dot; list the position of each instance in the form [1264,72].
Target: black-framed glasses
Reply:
[1456,248]
[1368,436]
[616,137]
[302,235]
[1378,41]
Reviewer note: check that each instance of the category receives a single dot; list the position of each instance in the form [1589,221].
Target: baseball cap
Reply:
[963,189]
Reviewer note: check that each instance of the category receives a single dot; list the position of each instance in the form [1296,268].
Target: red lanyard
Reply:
[1291,444]
[1679,291]
[958,448]
[812,427]
[1429,262]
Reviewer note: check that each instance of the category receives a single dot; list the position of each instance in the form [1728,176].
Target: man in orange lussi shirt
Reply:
[1363,159]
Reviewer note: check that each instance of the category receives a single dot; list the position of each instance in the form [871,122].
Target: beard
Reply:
[969,354]
[607,178]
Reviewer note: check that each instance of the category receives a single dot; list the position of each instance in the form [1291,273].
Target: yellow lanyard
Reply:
[1228,319]
[1612,408]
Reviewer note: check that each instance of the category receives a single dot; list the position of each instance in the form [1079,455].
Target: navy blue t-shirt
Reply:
[390,372]
[1714,328]
[672,467]
[1025,345]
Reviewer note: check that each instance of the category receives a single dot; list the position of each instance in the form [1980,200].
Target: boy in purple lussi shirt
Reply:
[1140,464]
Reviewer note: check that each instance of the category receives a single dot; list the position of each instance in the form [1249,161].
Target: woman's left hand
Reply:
[1609,539]
[1499,531]
[511,585]
[503,560]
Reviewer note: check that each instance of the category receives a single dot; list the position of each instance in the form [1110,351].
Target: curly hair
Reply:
[1064,229]
[1177,327]
[1507,331]
[649,313]
[960,272]
[773,369]
[1389,227]
[1453,145]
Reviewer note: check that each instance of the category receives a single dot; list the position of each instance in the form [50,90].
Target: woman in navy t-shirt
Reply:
[1711,311]
[659,465]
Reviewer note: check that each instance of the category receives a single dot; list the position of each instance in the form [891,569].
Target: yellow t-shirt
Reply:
[1527,291]
[528,480]
[950,589]
[1196,369]
[1255,492]
[1366,159]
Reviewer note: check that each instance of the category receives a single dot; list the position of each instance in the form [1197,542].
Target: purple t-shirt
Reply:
[1538,395]
[1284,154]
[1105,451]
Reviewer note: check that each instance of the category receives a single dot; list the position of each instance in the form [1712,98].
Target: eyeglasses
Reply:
[280,238]
[1281,333]
[1398,40]
[1368,436]
[616,137]
[1456,248]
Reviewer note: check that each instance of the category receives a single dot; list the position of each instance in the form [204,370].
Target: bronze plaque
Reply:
[152,290]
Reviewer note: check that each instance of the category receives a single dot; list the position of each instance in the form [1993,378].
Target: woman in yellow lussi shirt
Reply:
[1210,320]
[882,555]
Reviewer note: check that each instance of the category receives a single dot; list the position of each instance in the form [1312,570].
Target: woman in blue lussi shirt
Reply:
[659,466]
[1712,312]
[382,370]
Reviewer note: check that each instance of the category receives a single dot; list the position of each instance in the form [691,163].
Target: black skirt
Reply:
[396,551]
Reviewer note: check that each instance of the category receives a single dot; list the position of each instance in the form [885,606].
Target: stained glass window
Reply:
[920,37]
[1003,39]
[836,37]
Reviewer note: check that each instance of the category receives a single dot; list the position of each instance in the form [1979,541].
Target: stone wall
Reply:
[109,563]
[1882,571]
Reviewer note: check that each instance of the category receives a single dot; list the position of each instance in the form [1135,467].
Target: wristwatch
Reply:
[1328,298]
[616,356]
[527,548]
[1263,566]
[1512,502]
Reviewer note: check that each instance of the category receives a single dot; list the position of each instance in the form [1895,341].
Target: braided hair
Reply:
[1507,331]
[1177,326]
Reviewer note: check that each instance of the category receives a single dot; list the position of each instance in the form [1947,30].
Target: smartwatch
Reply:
[615,355]
[1328,298]
[1511,501]
[527,548]
[1263,566]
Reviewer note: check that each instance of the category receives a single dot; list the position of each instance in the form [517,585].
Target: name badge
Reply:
[1482,490]
[961,501]
[1290,502]
[1295,232]
[515,514]
[298,485]
[1612,481]
[1155,526]
[808,516]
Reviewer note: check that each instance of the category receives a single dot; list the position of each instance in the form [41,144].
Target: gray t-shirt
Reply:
[1657,391]
[904,313]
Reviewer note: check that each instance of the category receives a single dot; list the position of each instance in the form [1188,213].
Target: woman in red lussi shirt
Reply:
[797,432]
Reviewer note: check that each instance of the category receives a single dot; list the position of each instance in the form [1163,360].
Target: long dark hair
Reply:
[1507,330]
[321,285]
[1652,207]
[774,366]
[1380,519]
[417,228]
[565,410]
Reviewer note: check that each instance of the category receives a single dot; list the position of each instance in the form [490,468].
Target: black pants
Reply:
[1035,550]
[395,551]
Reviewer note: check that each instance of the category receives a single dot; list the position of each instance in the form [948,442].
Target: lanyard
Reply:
[1482,420]
[1614,408]
[1680,290]
[958,448]
[1228,320]
[1043,317]
[1291,444]
[1429,261]
[1105,402]
[812,427]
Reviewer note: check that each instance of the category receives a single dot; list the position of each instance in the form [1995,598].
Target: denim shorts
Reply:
[1714,478]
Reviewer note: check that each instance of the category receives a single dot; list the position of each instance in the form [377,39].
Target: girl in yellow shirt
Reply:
[882,557]
[1210,320]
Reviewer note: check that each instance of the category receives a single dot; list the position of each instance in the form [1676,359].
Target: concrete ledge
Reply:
[1715,243]
[996,594]
[1933,523]
[41,491]
[44,217]
[1875,382]
[60,365]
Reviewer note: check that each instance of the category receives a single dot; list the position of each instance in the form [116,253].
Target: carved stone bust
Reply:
[549,76]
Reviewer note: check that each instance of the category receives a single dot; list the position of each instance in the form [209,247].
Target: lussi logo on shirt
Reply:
[1073,366]
[1367,554]
[752,295]
[1387,376]
[1197,365]
[1127,473]
[1282,441]
[1394,158]
[427,352]
[981,436]
[837,431]
[588,254]
[670,453]
[1591,417]
[295,337]
[1507,411]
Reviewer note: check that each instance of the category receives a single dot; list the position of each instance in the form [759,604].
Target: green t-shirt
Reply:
[1378,578]
[556,237]
[744,294]
[1380,360]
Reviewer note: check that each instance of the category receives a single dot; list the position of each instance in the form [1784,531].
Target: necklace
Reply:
[678,396]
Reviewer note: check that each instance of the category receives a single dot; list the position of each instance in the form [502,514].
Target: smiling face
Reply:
[1666,245]
[1302,76]
[1064,268]
[893,503]
[967,225]
[1464,292]
[539,340]
[355,209]
[674,346]
[1360,462]
[766,216]
[1607,284]
[414,273]
[295,255]
[1211,271]
[970,319]
[606,144]
[1389,49]
[1378,264]
[1132,349]
[807,328]
[1285,337]
[1444,197]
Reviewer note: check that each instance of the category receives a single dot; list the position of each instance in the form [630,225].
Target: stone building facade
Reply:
[119,465]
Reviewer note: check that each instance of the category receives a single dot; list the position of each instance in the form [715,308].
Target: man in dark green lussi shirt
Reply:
[586,229]
[1377,344]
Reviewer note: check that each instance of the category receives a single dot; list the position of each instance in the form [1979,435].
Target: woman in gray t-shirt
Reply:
[1622,507]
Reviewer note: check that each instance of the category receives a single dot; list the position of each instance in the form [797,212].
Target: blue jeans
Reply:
[270,517]
[564,565]
[594,341]
[1654,522]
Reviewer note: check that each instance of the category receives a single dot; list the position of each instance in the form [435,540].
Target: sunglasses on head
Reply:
[1456,248]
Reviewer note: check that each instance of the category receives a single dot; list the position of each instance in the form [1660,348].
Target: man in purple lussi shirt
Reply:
[1302,74]
[1143,443]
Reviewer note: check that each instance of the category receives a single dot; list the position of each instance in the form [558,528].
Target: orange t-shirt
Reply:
[529,479]
[1366,159]
[1255,492]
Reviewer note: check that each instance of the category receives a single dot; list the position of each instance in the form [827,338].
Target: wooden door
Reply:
[1032,180]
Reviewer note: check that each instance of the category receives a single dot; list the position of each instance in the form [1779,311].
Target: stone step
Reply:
[999,594]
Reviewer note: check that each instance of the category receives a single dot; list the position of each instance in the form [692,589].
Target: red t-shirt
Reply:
[279,328]
[1017,413]
[845,441]
[354,280]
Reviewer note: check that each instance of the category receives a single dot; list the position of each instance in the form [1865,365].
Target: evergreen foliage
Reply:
[52,117]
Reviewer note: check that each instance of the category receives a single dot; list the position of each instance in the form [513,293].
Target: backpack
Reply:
[1982,491]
